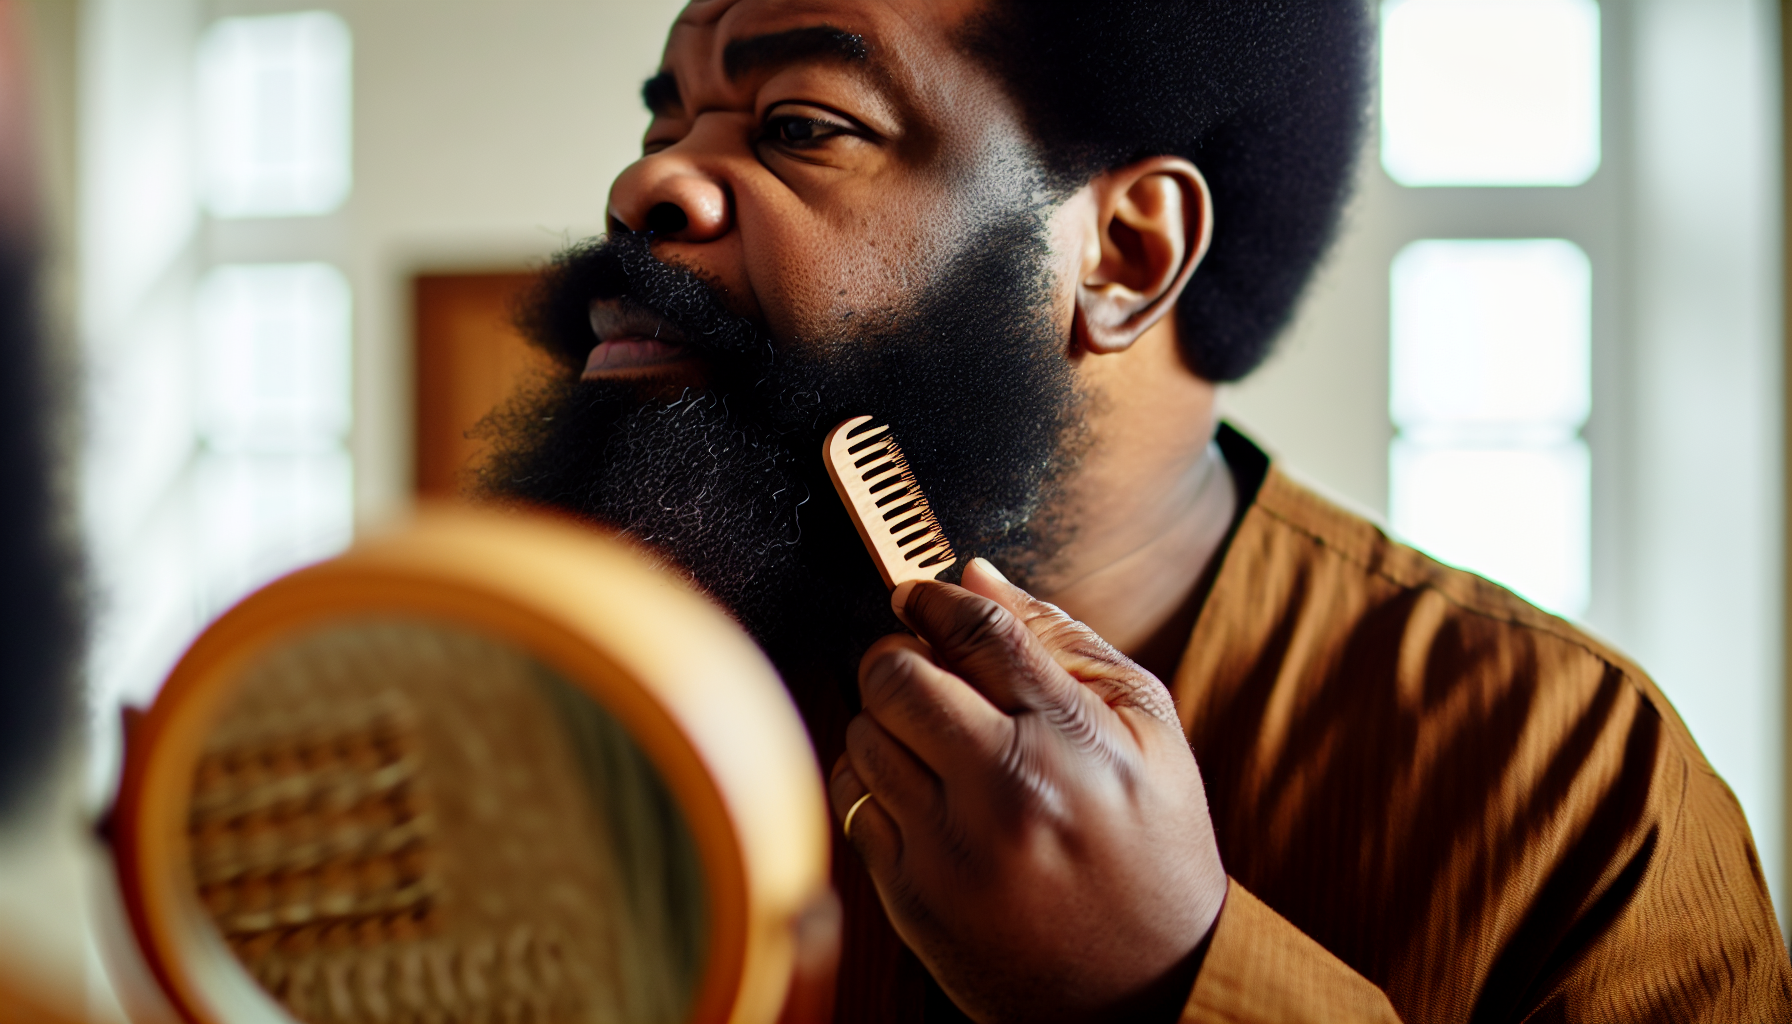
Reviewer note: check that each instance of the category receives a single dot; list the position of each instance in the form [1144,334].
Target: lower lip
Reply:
[631,355]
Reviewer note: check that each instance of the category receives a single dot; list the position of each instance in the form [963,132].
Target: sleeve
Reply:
[1691,933]
[1261,968]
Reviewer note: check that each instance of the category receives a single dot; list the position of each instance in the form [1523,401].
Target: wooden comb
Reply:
[885,502]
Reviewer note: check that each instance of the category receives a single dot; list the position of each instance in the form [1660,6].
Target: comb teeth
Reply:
[886,504]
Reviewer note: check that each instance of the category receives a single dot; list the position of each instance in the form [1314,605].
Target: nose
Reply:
[669,195]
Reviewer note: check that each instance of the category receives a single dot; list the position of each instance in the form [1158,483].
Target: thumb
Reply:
[984,642]
[982,578]
[1076,648]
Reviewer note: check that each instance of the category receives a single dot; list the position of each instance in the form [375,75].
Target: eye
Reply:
[798,131]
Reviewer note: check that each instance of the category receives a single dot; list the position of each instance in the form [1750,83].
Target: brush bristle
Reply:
[886,503]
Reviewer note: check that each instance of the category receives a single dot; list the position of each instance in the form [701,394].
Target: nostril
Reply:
[666,219]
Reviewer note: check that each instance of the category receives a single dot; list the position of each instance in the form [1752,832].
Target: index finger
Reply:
[986,645]
[932,712]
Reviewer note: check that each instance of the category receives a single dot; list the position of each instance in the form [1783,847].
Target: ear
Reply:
[1153,222]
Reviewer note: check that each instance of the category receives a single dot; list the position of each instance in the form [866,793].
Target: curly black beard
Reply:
[727,482]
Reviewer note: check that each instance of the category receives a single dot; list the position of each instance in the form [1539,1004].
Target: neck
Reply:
[1153,502]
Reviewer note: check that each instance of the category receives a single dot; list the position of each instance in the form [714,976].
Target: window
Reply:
[1490,340]
[1490,92]
[1490,387]
[272,483]
[220,392]
[274,97]
[273,480]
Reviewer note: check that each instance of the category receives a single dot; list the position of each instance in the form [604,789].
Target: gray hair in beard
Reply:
[727,481]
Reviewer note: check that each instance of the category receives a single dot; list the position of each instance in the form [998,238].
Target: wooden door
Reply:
[469,357]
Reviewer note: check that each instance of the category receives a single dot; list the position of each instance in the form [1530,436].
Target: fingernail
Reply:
[989,567]
[899,599]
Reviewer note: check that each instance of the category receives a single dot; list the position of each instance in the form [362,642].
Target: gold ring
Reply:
[846,826]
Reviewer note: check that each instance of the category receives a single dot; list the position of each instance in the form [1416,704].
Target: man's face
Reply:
[825,158]
[824,226]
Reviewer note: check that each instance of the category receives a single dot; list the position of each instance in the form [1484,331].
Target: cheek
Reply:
[818,272]
[1076,250]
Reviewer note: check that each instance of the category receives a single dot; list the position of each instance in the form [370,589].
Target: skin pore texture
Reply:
[1038,830]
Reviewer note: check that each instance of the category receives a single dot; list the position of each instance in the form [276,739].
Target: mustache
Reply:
[556,314]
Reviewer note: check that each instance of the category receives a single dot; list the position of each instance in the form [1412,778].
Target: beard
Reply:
[727,481]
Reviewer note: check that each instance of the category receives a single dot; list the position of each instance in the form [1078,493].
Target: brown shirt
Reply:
[1435,802]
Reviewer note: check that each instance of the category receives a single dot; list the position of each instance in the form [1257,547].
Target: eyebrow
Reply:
[660,93]
[778,49]
[758,53]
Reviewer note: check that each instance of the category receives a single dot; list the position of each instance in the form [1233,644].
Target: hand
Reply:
[1037,828]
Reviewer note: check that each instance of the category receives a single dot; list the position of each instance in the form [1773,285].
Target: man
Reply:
[1032,237]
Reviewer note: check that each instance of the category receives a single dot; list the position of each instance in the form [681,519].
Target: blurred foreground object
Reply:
[39,618]
[39,615]
[488,767]
[21,1004]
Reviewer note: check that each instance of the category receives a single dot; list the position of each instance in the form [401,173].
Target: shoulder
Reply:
[1511,791]
[1339,580]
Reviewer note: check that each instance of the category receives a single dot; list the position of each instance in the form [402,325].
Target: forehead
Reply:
[902,39]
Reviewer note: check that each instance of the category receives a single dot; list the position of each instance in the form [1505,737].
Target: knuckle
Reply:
[862,735]
[1045,612]
[1070,635]
[1139,690]
[876,772]
[982,626]
[844,788]
[886,673]
[1057,630]
[874,761]
[876,758]
[957,617]
[841,779]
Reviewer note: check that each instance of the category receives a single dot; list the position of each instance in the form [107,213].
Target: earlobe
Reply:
[1153,222]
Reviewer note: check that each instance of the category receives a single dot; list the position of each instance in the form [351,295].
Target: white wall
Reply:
[137,223]
[1320,403]
[1707,462]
